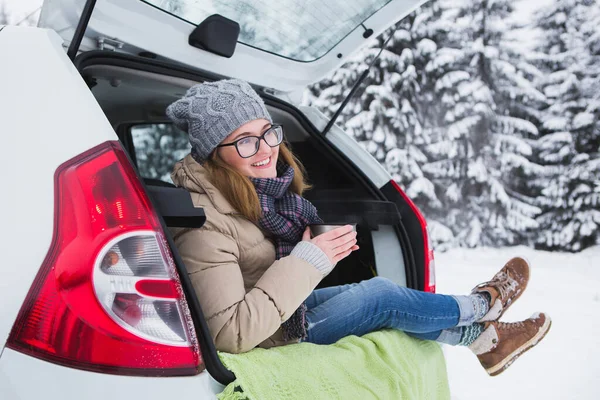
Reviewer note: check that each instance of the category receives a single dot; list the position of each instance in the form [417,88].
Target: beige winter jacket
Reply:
[244,293]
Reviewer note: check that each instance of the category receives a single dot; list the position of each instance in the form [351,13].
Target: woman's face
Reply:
[260,165]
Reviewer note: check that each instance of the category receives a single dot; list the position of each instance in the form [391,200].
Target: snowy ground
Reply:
[566,364]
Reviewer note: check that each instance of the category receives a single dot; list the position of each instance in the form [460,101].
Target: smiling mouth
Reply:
[262,163]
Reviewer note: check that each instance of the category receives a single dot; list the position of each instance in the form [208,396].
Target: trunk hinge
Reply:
[270,91]
[109,44]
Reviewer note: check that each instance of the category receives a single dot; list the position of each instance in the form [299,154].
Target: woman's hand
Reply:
[337,244]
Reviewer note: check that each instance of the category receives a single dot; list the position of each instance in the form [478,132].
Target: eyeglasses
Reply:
[248,145]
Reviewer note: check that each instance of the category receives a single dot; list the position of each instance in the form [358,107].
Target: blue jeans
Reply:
[378,303]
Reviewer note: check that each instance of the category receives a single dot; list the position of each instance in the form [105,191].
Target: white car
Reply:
[95,301]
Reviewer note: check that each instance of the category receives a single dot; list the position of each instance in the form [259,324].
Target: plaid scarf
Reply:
[285,215]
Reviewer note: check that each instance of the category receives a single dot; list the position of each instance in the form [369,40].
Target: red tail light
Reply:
[429,261]
[107,297]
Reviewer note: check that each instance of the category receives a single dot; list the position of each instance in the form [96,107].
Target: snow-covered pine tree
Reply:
[478,155]
[569,54]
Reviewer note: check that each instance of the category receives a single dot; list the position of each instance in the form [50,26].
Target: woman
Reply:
[254,265]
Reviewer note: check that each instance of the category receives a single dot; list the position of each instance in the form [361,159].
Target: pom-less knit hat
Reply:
[210,111]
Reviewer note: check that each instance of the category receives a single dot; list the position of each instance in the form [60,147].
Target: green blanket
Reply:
[386,365]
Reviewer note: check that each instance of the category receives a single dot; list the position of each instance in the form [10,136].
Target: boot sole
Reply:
[502,365]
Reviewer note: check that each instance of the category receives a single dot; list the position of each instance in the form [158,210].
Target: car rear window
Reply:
[157,148]
[303,30]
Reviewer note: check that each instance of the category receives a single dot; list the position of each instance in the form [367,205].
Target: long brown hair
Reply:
[239,190]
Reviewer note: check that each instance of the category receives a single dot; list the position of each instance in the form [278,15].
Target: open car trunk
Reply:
[134,92]
[284,46]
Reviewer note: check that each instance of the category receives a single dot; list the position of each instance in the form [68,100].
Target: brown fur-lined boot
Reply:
[501,343]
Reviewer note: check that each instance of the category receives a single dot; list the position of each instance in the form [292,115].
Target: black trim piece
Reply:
[176,207]
[414,231]
[217,35]
[81,27]
[367,213]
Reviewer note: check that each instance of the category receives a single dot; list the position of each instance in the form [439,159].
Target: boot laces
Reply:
[509,326]
[505,284]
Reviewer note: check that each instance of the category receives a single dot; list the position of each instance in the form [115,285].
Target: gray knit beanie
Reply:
[210,111]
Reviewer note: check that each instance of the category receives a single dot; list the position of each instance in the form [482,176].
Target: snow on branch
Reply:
[444,147]
[450,79]
[498,194]
[478,171]
[523,208]
[426,47]
[477,89]
[530,69]
[550,140]
[514,143]
[518,161]
[583,119]
[556,124]
[511,124]
[463,127]
[445,57]
[520,222]
[588,170]
[441,236]
[423,187]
